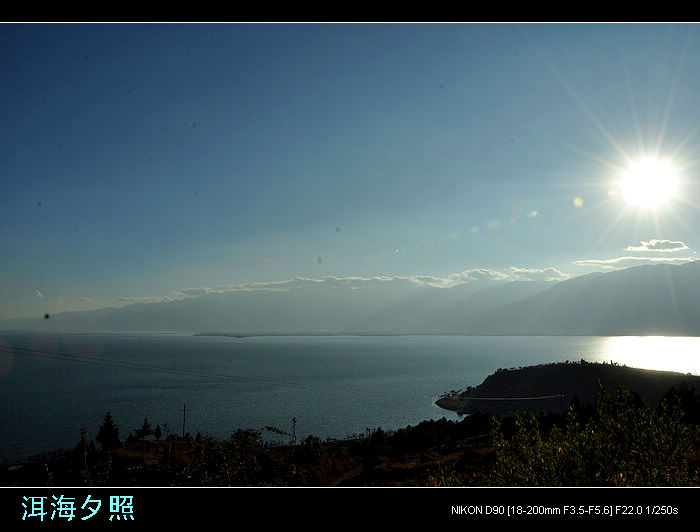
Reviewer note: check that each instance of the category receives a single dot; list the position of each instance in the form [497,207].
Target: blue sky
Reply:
[138,160]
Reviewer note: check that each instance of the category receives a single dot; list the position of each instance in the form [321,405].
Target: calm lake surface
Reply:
[52,384]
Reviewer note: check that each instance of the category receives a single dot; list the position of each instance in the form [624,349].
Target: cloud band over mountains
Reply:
[549,274]
[654,245]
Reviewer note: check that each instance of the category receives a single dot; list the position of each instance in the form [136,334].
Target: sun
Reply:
[649,182]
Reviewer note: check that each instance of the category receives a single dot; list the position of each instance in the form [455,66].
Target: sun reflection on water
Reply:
[665,353]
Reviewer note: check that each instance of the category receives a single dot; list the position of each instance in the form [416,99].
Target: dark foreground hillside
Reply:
[615,440]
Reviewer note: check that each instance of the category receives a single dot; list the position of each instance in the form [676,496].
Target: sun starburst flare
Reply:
[649,183]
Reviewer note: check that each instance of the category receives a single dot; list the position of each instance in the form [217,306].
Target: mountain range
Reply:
[643,300]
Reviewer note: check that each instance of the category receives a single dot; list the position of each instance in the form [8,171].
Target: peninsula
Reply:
[552,387]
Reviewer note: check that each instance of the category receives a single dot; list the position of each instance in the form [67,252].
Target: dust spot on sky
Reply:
[38,204]
[337,229]
[319,260]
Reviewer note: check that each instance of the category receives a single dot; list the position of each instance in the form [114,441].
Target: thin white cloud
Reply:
[454,279]
[136,299]
[622,260]
[659,245]
[534,274]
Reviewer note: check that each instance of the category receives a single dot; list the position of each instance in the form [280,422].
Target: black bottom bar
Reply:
[78,507]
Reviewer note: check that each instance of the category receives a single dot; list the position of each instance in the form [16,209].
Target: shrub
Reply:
[624,443]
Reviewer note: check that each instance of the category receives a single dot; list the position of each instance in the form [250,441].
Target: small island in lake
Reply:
[551,388]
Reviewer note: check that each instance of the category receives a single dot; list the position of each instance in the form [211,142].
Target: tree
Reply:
[145,429]
[292,434]
[157,433]
[108,436]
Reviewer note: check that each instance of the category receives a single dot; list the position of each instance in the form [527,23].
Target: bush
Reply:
[624,443]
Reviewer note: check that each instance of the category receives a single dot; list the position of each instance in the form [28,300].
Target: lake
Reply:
[52,384]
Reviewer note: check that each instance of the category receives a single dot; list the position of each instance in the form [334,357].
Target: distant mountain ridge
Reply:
[642,300]
[383,308]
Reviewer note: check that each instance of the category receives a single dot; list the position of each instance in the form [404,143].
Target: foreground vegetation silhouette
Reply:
[620,442]
[617,441]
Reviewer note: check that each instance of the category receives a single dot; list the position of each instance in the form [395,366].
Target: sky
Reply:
[139,161]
